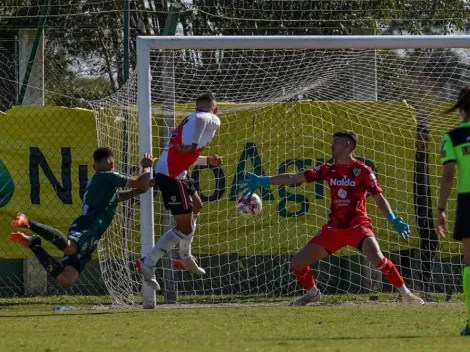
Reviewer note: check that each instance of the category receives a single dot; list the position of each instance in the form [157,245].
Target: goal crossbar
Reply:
[146,44]
[305,42]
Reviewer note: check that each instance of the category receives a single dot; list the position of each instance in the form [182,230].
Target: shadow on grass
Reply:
[352,338]
[78,312]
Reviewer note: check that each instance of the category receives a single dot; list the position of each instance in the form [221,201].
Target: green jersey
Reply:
[456,148]
[100,195]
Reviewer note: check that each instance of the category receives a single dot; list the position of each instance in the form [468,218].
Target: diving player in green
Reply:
[456,152]
[99,207]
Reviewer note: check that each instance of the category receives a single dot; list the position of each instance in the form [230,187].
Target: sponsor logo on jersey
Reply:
[174,201]
[357,171]
[342,193]
[343,200]
[346,182]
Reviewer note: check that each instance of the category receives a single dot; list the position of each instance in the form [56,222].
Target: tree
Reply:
[84,38]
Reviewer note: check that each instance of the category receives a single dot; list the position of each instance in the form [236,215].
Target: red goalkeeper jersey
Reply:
[349,184]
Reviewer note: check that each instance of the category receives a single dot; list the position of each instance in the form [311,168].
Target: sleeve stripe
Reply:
[449,161]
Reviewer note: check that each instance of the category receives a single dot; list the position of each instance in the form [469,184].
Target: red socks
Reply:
[305,278]
[390,272]
[387,268]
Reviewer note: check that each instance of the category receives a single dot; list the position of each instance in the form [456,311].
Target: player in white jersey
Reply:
[179,195]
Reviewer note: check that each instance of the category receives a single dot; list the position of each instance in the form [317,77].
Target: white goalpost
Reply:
[281,99]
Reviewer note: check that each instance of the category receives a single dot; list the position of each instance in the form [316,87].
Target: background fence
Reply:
[67,53]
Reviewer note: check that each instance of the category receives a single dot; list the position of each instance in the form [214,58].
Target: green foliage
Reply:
[324,17]
[85,37]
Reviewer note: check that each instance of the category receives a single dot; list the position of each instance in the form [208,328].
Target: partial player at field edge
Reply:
[455,151]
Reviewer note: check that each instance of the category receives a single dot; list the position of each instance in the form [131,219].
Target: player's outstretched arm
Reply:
[142,182]
[200,126]
[399,225]
[129,194]
[213,160]
[252,181]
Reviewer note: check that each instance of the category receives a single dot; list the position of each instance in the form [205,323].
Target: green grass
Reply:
[31,325]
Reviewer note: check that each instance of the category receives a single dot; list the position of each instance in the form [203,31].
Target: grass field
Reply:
[31,325]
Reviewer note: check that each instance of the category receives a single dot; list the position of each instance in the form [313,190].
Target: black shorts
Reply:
[176,194]
[78,261]
[462,220]
[86,234]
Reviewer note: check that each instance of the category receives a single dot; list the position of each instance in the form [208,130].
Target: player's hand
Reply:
[147,161]
[401,227]
[249,185]
[215,160]
[441,222]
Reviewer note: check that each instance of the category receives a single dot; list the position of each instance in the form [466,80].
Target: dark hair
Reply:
[102,153]
[205,98]
[463,102]
[348,134]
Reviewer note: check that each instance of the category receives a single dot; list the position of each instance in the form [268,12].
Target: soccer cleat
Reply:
[306,299]
[465,331]
[148,274]
[189,265]
[22,239]
[21,221]
[410,298]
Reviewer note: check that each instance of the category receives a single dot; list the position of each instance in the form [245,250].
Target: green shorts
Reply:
[86,235]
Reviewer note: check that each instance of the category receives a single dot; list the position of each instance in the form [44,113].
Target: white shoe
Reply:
[306,299]
[190,265]
[148,274]
[410,298]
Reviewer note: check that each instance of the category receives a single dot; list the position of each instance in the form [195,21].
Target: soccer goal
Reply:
[281,99]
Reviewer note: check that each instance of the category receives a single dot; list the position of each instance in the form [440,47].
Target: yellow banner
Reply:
[45,157]
[46,154]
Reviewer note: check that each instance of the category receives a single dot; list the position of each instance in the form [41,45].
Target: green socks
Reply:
[466,288]
[52,265]
[49,234]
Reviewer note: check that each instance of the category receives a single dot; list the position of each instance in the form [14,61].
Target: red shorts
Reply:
[335,239]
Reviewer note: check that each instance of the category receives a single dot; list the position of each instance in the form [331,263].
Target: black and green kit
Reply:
[456,148]
[99,207]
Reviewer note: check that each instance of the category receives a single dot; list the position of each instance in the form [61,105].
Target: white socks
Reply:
[403,290]
[166,243]
[185,244]
[313,291]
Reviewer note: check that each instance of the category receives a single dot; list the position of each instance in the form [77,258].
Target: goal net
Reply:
[279,108]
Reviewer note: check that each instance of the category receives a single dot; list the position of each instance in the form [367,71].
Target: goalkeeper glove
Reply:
[399,225]
[249,185]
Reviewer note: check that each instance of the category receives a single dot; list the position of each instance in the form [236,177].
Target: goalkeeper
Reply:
[456,152]
[99,207]
[348,225]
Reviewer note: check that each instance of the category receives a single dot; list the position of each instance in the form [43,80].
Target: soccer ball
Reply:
[252,208]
